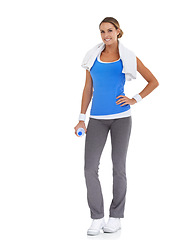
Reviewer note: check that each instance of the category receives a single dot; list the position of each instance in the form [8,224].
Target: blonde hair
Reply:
[115,23]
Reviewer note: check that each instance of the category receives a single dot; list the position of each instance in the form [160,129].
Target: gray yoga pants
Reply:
[97,132]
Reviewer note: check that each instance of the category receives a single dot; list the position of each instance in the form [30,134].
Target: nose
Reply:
[106,35]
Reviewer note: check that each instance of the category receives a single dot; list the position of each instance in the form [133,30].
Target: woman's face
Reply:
[108,33]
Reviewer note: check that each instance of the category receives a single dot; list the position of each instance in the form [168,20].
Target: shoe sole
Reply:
[93,234]
[89,233]
[107,230]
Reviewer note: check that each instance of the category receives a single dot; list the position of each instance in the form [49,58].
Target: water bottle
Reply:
[80,132]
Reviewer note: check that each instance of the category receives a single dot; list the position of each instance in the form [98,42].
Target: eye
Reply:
[110,30]
[102,31]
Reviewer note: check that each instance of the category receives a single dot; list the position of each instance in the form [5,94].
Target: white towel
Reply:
[127,56]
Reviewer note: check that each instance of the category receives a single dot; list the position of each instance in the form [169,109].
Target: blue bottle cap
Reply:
[79,133]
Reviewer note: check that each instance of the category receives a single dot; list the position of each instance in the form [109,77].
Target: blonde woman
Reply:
[108,66]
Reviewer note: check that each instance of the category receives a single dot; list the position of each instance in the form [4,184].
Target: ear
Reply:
[118,31]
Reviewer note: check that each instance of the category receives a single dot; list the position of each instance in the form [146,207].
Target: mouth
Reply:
[107,39]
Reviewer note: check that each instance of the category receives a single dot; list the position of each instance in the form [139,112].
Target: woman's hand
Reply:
[123,100]
[81,124]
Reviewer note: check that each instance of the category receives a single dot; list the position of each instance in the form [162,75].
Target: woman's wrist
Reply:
[133,101]
[82,117]
[137,97]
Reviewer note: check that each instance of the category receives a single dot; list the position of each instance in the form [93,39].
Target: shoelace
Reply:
[96,224]
[113,223]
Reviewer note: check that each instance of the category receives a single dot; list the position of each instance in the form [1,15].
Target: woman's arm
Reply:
[149,77]
[87,93]
[86,98]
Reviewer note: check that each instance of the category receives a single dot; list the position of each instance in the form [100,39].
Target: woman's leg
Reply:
[96,136]
[120,134]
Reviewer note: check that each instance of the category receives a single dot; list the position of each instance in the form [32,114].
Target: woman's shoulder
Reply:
[91,55]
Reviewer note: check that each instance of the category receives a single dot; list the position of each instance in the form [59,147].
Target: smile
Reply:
[107,39]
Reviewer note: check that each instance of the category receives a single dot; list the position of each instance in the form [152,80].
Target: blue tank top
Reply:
[108,83]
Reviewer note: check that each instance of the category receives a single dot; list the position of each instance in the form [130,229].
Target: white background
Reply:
[42,187]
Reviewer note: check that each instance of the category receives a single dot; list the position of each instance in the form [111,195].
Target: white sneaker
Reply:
[96,226]
[113,225]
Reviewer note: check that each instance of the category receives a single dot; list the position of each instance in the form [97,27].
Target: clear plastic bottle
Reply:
[80,132]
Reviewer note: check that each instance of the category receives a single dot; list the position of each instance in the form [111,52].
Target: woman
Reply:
[108,65]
